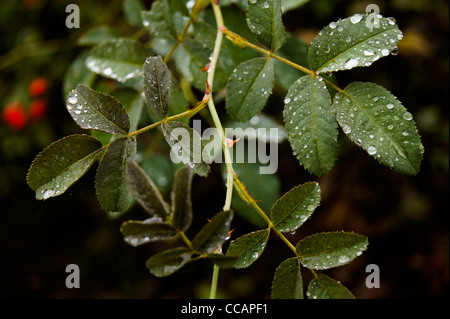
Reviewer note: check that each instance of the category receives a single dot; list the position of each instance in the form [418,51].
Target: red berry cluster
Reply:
[16,116]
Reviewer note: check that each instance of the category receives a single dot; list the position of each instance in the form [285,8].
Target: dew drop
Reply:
[385,52]
[390,106]
[48,193]
[346,128]
[369,52]
[390,127]
[287,100]
[407,116]
[333,25]
[343,259]
[266,5]
[405,133]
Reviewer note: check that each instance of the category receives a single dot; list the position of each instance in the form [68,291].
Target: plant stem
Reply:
[215,278]
[180,39]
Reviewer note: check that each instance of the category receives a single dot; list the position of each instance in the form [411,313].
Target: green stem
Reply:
[215,278]
[180,39]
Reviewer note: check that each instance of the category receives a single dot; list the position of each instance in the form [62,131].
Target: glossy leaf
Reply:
[145,192]
[264,19]
[77,73]
[328,250]
[311,124]
[287,282]
[181,211]
[157,85]
[186,145]
[223,261]
[324,287]
[110,181]
[352,42]
[248,247]
[374,119]
[120,59]
[98,111]
[295,207]
[137,233]
[249,87]
[61,164]
[133,103]
[214,233]
[169,261]
[97,35]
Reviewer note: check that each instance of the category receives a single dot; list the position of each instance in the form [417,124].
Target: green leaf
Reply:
[120,59]
[264,19]
[191,56]
[142,232]
[288,5]
[97,35]
[187,146]
[374,119]
[167,262]
[110,181]
[158,21]
[214,233]
[77,73]
[328,250]
[249,87]
[287,282]
[353,42]
[324,287]
[132,12]
[263,188]
[181,212]
[145,192]
[157,85]
[295,207]
[248,247]
[311,124]
[223,261]
[98,111]
[61,164]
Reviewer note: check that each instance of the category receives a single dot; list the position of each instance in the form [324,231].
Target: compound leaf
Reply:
[120,59]
[328,250]
[157,85]
[61,164]
[187,146]
[181,213]
[311,124]
[98,111]
[356,41]
[249,87]
[295,207]
[287,282]
[248,248]
[214,233]
[137,232]
[264,19]
[167,262]
[145,192]
[374,119]
[324,287]
[110,181]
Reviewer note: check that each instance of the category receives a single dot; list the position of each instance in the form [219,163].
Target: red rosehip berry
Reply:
[14,115]
[38,86]
[38,109]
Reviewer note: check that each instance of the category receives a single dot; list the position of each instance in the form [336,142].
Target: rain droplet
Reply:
[407,116]
[266,5]
[385,52]
[287,100]
[72,100]
[343,259]
[351,63]
[390,127]
[48,193]
[405,133]
[390,106]
[368,52]
[371,150]
[346,128]
[333,25]
[355,18]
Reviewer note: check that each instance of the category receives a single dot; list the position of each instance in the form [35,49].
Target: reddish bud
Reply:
[38,109]
[14,115]
[206,68]
[38,86]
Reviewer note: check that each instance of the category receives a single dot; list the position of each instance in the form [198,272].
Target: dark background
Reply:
[404,217]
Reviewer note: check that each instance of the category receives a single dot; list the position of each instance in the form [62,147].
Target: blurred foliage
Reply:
[405,218]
